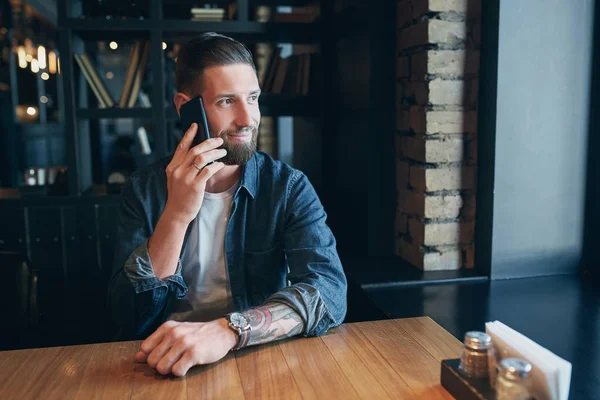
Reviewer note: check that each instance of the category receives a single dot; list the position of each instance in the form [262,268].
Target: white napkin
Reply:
[550,377]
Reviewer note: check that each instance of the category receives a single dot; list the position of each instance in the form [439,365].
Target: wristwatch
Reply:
[241,325]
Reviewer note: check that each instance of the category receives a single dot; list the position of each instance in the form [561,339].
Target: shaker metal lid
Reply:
[477,340]
[514,368]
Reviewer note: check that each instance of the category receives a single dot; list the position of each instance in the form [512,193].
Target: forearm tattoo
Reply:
[273,321]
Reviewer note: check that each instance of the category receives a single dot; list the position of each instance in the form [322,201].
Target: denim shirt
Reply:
[277,244]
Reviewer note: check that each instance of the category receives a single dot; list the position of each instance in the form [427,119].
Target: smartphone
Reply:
[193,111]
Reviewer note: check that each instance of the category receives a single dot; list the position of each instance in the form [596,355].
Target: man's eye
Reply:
[254,97]
[226,101]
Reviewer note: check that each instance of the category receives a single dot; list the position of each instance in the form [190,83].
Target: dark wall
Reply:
[542,110]
[359,147]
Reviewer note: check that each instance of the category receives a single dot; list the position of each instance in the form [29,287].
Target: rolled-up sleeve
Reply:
[138,269]
[318,283]
[137,299]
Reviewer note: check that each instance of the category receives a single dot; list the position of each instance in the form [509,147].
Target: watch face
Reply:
[239,321]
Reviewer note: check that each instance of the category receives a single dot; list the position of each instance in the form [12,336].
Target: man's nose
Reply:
[243,118]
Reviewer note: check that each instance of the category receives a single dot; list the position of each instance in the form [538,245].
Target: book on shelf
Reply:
[90,81]
[280,75]
[262,13]
[94,81]
[305,14]
[207,14]
[272,65]
[291,74]
[134,56]
[263,54]
[138,58]
[211,11]
[207,11]
[139,75]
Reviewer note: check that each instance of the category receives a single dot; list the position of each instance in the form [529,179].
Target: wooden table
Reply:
[391,359]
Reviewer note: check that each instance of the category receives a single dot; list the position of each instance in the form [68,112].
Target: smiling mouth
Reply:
[240,136]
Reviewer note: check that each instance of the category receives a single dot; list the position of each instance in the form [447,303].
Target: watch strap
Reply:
[243,334]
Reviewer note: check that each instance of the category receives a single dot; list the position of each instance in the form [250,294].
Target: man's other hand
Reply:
[175,347]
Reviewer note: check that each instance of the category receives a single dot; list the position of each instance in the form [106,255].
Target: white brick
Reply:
[448,5]
[416,203]
[443,206]
[433,151]
[442,122]
[445,178]
[451,122]
[446,62]
[432,31]
[469,7]
[443,260]
[443,151]
[436,234]
[442,92]
[446,32]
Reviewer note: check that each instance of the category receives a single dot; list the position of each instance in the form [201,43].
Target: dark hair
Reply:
[210,49]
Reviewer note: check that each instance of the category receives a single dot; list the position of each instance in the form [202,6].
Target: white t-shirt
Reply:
[204,263]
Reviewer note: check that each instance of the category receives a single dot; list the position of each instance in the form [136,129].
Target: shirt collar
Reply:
[250,176]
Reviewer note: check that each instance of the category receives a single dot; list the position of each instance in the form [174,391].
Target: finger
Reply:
[203,160]
[208,172]
[141,357]
[153,340]
[159,352]
[185,144]
[203,147]
[187,361]
[165,365]
[169,339]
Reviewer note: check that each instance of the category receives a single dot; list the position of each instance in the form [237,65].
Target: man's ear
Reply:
[179,100]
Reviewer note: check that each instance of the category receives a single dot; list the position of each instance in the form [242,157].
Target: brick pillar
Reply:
[437,75]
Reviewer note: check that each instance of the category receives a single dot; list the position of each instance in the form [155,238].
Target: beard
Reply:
[238,153]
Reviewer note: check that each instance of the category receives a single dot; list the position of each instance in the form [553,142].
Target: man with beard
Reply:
[219,246]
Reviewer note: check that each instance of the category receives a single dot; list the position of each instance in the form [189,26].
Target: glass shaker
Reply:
[474,357]
[511,383]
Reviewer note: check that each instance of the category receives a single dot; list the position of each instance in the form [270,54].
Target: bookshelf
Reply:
[80,109]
